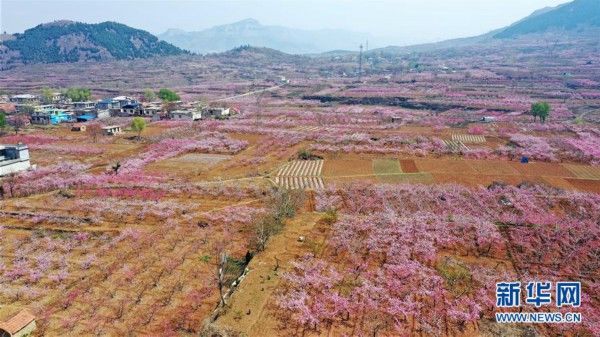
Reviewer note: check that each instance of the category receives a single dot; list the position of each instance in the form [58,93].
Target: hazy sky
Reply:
[398,22]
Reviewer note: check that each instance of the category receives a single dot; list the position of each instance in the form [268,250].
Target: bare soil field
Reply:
[585,184]
[408,166]
[449,166]
[347,167]
[584,172]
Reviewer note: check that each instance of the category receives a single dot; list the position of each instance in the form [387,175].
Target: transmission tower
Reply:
[360,62]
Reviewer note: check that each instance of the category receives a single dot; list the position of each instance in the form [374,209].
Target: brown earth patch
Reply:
[558,182]
[450,166]
[584,171]
[408,166]
[542,169]
[479,180]
[346,167]
[587,185]
[492,167]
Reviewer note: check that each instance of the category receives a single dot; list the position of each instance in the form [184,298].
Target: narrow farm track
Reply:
[248,94]
[249,310]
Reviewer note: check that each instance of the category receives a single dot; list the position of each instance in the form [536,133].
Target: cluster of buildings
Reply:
[61,109]
[15,158]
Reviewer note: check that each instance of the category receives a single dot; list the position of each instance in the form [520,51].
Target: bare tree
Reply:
[6,189]
[222,276]
[94,130]
[262,232]
[19,122]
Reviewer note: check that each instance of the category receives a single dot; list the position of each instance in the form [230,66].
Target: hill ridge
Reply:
[72,41]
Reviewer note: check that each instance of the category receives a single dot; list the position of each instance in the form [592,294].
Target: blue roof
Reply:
[86,117]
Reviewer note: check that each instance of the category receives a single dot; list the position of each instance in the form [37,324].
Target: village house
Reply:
[20,325]
[111,130]
[215,112]
[132,109]
[114,106]
[51,116]
[42,108]
[84,107]
[25,102]
[125,100]
[107,104]
[40,118]
[189,115]
[59,97]
[25,99]
[14,158]
[152,109]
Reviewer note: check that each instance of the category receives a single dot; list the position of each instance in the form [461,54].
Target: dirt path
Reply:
[248,93]
[249,310]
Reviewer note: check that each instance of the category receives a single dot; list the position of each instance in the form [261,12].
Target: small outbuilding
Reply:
[111,130]
[78,127]
[190,115]
[20,325]
[216,112]
[14,158]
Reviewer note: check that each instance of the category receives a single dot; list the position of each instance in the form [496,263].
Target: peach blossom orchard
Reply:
[425,187]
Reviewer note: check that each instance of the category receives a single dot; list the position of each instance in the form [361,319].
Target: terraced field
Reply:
[301,174]
[456,145]
[468,139]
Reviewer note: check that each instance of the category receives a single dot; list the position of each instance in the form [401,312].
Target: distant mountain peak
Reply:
[247,22]
[251,32]
[240,26]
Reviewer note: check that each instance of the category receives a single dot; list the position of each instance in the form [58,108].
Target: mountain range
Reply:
[251,32]
[68,41]
[570,18]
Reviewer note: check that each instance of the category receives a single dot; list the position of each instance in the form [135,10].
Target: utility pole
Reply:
[360,62]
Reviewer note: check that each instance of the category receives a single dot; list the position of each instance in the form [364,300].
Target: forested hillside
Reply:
[67,41]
